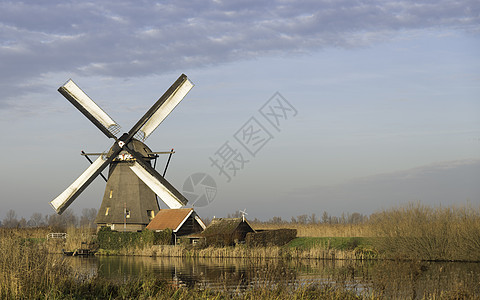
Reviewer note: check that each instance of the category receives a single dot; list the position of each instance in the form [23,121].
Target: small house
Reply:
[182,221]
[227,231]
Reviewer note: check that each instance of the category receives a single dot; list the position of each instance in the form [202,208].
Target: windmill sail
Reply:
[73,191]
[89,108]
[167,107]
[169,195]
[160,110]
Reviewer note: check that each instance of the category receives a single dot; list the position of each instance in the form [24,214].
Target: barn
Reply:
[182,221]
[227,231]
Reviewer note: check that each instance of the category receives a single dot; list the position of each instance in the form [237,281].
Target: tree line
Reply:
[67,219]
[325,218]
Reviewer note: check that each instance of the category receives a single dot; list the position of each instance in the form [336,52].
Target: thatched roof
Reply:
[224,226]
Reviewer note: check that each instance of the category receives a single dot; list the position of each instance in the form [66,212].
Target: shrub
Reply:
[113,240]
[278,237]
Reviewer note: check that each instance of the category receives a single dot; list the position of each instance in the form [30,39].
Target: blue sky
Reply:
[387,94]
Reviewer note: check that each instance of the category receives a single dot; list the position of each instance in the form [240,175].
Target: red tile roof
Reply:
[169,218]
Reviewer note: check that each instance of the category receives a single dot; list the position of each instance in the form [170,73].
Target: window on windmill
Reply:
[106,211]
[151,214]
[111,194]
[127,214]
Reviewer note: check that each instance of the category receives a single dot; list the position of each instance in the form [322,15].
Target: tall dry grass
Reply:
[78,237]
[262,253]
[416,231]
[26,269]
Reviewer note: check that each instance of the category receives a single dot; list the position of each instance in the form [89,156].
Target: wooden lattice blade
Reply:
[66,198]
[89,108]
[162,108]
[164,190]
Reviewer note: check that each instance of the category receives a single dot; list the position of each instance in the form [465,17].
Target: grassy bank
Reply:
[300,248]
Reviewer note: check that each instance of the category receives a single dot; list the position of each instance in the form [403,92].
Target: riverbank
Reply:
[412,232]
[299,248]
[27,271]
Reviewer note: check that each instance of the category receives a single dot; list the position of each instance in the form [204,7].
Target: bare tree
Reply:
[63,221]
[88,217]
[302,219]
[236,214]
[326,218]
[356,218]
[276,220]
[343,218]
[10,220]
[256,221]
[313,219]
[22,223]
[36,220]
[207,220]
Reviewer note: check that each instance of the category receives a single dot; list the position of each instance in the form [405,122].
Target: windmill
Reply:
[244,212]
[129,200]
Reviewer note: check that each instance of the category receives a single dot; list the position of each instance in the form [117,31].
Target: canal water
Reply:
[395,279]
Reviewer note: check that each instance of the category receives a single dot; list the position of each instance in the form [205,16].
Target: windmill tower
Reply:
[129,201]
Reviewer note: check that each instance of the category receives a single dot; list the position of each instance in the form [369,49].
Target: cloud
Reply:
[141,38]
[443,183]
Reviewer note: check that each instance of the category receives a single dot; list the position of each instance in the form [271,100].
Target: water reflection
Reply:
[391,279]
[198,272]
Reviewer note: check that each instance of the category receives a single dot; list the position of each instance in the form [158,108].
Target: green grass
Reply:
[339,243]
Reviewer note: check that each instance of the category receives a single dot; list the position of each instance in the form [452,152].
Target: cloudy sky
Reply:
[381,99]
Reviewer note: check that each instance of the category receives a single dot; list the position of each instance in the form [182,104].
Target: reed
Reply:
[273,252]
[26,269]
[77,237]
[416,231]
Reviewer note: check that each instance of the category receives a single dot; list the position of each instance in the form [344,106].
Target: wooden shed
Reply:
[227,231]
[182,221]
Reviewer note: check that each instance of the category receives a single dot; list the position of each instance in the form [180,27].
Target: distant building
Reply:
[227,231]
[182,221]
